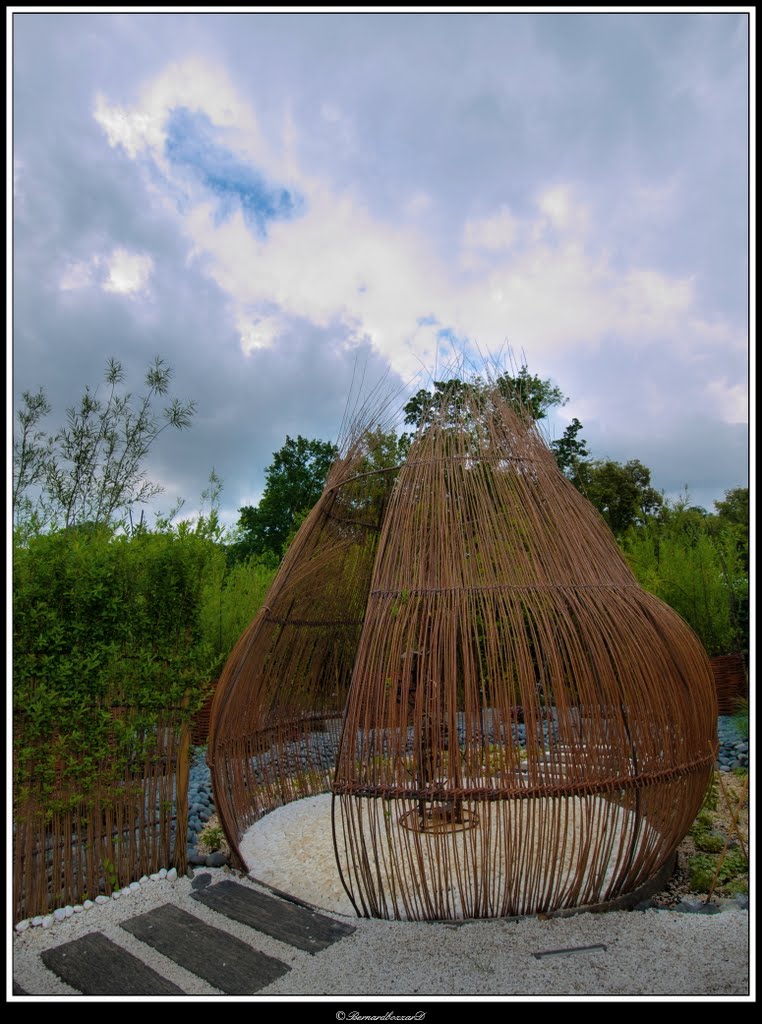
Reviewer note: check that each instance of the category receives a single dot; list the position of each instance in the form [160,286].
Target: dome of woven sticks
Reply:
[526,730]
[277,712]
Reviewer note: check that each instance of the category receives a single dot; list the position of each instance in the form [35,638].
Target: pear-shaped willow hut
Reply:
[457,650]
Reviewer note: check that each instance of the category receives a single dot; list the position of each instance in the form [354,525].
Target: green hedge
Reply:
[103,622]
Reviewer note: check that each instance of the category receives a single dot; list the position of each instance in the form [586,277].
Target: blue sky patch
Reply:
[191,144]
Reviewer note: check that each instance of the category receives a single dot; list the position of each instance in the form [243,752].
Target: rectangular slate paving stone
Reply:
[96,966]
[287,922]
[221,959]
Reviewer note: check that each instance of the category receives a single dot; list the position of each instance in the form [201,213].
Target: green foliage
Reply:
[702,868]
[103,623]
[622,493]
[231,598]
[92,469]
[294,482]
[693,563]
[570,450]
[211,838]
[527,393]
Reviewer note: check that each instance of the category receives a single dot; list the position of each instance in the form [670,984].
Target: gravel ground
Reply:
[651,953]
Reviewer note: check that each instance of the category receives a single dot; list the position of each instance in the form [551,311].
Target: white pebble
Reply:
[68,910]
[36,921]
[78,908]
[22,926]
[162,873]
[59,914]
[47,921]
[156,877]
[134,886]
[172,875]
[115,895]
[143,879]
[100,900]
[87,904]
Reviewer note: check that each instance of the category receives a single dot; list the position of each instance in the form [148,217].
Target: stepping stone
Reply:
[221,959]
[287,922]
[96,966]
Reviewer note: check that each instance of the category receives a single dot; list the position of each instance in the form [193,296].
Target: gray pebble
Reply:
[37,921]
[216,860]
[100,900]
[134,886]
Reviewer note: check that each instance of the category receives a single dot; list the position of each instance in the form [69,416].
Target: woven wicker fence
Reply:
[69,846]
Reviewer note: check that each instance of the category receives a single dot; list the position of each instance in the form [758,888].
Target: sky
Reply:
[290,208]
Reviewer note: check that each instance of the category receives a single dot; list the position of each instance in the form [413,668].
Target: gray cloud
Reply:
[645,116]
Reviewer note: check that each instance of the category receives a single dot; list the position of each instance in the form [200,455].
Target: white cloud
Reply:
[543,281]
[128,272]
[77,274]
[731,402]
[120,271]
[497,232]
[562,210]
[258,332]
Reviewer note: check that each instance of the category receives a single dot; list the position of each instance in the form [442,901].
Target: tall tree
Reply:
[570,450]
[93,468]
[294,482]
[527,393]
[621,493]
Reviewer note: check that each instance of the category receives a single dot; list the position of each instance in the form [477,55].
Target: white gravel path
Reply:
[656,953]
[647,954]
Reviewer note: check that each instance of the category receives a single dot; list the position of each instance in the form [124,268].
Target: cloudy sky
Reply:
[275,203]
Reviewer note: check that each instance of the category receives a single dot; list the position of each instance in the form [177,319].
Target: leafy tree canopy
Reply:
[570,450]
[92,470]
[531,396]
[294,482]
[621,493]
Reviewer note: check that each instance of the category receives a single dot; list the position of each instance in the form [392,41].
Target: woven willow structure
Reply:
[277,711]
[523,728]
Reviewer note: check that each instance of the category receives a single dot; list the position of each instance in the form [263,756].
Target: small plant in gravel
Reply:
[211,838]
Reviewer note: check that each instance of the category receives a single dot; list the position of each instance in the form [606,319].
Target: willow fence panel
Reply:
[70,845]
